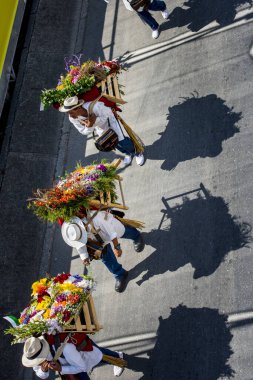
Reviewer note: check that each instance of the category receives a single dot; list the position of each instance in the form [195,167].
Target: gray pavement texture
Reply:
[191,104]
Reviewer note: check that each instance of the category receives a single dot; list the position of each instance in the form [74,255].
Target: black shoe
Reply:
[121,283]
[139,244]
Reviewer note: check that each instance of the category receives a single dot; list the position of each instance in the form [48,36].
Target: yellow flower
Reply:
[43,305]
[39,287]
[69,287]
[46,315]
[60,87]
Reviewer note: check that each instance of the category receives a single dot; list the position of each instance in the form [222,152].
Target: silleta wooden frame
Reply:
[86,321]
[110,89]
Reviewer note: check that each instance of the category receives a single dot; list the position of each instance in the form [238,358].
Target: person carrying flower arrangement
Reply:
[93,235]
[78,355]
[100,120]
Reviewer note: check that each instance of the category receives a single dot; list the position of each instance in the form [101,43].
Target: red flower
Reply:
[41,297]
[61,278]
[66,315]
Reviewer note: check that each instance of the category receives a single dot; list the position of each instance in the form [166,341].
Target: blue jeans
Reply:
[131,233]
[126,146]
[156,5]
[111,263]
[108,257]
[106,351]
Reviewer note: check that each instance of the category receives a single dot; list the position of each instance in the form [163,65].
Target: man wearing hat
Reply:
[100,120]
[39,355]
[104,230]
[143,8]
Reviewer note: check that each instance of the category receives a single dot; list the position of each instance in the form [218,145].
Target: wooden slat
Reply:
[121,192]
[102,197]
[78,323]
[109,86]
[94,314]
[116,87]
[114,99]
[108,197]
[87,316]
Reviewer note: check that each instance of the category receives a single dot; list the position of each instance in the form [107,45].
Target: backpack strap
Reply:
[92,104]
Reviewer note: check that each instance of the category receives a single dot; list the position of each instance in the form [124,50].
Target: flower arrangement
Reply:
[80,79]
[54,302]
[75,191]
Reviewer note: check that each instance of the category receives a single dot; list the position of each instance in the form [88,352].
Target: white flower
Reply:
[37,317]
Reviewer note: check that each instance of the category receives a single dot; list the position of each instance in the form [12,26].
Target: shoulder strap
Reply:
[92,104]
[60,349]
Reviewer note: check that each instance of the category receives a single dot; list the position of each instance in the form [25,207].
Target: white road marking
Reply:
[210,29]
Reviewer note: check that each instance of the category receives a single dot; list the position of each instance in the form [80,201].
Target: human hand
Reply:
[90,121]
[86,262]
[118,252]
[44,366]
[55,366]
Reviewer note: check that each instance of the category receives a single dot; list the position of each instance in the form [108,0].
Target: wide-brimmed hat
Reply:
[35,351]
[74,233]
[71,103]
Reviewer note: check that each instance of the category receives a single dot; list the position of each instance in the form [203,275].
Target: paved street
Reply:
[186,312]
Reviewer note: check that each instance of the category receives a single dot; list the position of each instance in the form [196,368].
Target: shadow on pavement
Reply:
[201,232]
[192,344]
[196,128]
[199,13]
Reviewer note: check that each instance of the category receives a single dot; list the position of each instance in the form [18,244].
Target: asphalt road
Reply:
[181,314]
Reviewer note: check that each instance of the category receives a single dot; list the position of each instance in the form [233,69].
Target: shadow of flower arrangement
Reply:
[196,127]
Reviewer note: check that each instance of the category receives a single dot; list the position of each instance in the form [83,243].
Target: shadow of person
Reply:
[192,344]
[199,13]
[196,128]
[202,232]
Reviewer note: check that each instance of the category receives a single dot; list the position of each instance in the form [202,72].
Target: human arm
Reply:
[80,126]
[42,374]
[84,256]
[74,362]
[117,248]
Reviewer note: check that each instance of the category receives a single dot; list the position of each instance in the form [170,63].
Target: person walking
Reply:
[93,239]
[143,8]
[78,356]
[99,120]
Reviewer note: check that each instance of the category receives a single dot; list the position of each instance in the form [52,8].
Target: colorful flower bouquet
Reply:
[80,79]
[55,301]
[75,192]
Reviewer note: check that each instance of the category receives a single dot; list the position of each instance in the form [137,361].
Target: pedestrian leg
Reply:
[135,235]
[111,263]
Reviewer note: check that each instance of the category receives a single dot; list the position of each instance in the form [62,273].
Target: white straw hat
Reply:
[35,351]
[71,103]
[74,233]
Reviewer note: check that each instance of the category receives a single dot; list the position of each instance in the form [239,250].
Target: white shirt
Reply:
[108,228]
[129,8]
[127,5]
[101,124]
[74,361]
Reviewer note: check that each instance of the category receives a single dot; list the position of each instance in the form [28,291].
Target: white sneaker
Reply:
[165,14]
[117,371]
[127,160]
[251,51]
[139,159]
[155,34]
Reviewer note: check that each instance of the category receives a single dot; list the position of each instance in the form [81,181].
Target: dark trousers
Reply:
[126,146]
[108,256]
[155,5]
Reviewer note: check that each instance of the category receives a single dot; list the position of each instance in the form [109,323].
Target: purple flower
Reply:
[26,320]
[102,167]
[57,309]
[61,297]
